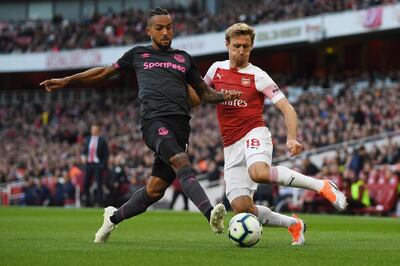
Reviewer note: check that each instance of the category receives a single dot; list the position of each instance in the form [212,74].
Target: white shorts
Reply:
[256,146]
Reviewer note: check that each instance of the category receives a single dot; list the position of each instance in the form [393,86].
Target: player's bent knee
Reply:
[179,160]
[244,208]
[243,204]
[155,192]
[260,172]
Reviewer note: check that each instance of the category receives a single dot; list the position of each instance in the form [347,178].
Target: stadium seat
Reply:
[384,194]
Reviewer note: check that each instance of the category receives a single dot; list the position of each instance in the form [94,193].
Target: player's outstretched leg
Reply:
[287,177]
[217,218]
[197,195]
[297,231]
[332,193]
[105,230]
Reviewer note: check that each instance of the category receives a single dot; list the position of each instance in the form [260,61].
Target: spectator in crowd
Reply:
[213,173]
[44,193]
[360,197]
[59,194]
[119,184]
[266,195]
[95,155]
[30,141]
[69,190]
[31,192]
[128,26]
[308,167]
[358,159]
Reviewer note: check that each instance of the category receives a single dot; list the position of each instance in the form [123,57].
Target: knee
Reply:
[243,204]
[239,208]
[155,192]
[260,172]
[179,160]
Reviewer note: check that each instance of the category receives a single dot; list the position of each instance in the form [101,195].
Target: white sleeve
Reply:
[268,87]
[208,78]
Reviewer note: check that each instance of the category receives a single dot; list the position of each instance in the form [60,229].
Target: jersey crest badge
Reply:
[162,131]
[180,58]
[245,81]
[145,55]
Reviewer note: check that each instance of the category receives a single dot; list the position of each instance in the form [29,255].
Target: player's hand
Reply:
[54,84]
[294,147]
[230,95]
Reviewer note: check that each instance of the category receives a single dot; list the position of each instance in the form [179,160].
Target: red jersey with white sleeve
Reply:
[236,118]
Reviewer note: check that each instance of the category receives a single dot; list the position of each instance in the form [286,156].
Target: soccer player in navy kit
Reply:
[163,76]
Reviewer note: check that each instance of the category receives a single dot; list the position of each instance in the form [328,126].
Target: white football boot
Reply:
[105,230]
[217,218]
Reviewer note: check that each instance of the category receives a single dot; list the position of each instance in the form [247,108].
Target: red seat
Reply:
[384,195]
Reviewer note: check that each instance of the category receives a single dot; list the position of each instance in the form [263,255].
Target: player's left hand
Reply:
[294,147]
[230,95]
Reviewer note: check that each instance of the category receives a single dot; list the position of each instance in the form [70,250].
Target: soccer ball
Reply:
[245,229]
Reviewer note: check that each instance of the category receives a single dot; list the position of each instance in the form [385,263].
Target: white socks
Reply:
[287,177]
[274,219]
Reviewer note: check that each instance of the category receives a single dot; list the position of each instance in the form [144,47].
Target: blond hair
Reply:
[239,29]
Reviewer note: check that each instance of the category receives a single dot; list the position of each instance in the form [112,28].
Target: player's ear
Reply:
[227,44]
[148,31]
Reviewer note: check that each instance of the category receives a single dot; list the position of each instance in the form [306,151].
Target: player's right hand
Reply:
[54,84]
[294,147]
[230,95]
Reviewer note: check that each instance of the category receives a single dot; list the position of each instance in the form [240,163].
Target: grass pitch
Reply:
[51,236]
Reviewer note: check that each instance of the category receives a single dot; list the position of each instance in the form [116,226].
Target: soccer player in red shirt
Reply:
[247,140]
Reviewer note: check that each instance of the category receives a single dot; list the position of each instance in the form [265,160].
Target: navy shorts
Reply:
[166,137]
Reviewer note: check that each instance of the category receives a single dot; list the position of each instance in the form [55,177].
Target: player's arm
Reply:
[91,76]
[205,92]
[193,99]
[209,95]
[291,124]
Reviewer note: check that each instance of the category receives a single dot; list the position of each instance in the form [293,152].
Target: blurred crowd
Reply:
[369,178]
[41,144]
[340,109]
[128,26]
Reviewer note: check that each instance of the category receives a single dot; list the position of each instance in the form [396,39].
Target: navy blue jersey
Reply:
[162,77]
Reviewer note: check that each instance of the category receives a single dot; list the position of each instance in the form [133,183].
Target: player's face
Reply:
[160,31]
[239,49]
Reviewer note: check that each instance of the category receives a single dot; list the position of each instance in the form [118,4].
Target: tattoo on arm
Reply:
[208,94]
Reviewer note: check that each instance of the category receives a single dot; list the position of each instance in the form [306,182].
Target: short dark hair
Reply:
[156,12]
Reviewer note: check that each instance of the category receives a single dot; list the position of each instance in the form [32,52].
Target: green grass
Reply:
[38,236]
